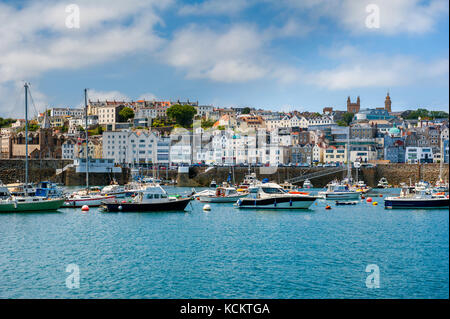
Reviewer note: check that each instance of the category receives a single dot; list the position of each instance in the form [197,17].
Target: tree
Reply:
[182,114]
[424,114]
[207,124]
[347,118]
[246,110]
[6,122]
[125,114]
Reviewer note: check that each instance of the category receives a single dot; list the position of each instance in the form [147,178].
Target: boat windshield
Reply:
[272,190]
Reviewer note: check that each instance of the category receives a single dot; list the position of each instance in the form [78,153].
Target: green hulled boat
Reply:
[30,204]
[12,204]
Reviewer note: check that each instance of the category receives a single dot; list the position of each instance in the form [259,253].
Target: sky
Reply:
[272,54]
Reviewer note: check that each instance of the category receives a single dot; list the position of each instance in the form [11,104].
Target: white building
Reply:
[414,155]
[68,149]
[67,111]
[317,154]
[133,147]
[205,111]
[146,112]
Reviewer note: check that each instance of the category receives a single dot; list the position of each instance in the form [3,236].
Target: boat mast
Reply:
[349,173]
[26,139]
[441,162]
[87,140]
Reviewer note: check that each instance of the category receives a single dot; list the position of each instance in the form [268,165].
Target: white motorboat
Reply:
[206,192]
[79,199]
[422,198]
[383,183]
[22,189]
[441,186]
[307,184]
[114,189]
[288,187]
[273,196]
[338,191]
[223,195]
[249,180]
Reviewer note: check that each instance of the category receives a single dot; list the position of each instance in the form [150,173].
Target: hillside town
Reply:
[143,133]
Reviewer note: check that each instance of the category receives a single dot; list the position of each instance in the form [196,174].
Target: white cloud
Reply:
[234,55]
[215,7]
[35,39]
[147,97]
[356,69]
[94,95]
[396,16]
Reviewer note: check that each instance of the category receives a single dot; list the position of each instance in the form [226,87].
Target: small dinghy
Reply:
[354,202]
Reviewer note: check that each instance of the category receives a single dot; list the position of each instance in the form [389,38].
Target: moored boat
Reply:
[152,199]
[222,195]
[272,196]
[423,198]
[114,189]
[30,204]
[383,183]
[80,199]
[307,184]
[338,191]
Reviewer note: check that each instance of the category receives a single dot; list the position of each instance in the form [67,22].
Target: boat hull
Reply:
[276,203]
[349,195]
[224,199]
[176,205]
[41,206]
[434,203]
[92,202]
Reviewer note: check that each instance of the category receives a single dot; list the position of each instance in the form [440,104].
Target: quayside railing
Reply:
[322,172]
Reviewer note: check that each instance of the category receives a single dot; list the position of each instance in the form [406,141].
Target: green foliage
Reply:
[424,114]
[62,129]
[97,131]
[347,118]
[161,122]
[182,114]
[125,114]
[6,122]
[207,124]
[246,110]
[221,127]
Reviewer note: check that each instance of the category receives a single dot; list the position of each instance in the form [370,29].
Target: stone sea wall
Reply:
[395,173]
[12,171]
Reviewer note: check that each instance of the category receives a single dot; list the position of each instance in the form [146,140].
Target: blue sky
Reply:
[271,54]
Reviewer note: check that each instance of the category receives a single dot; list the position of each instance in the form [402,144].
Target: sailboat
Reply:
[441,186]
[85,197]
[26,203]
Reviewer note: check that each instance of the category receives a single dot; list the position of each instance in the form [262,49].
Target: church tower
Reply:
[353,107]
[387,103]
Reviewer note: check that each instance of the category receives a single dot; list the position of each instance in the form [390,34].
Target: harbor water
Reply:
[227,252]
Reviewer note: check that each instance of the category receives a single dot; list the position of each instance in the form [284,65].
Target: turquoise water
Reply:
[227,253]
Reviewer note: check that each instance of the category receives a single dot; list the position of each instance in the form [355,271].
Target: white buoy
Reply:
[85,208]
[120,207]
[207,207]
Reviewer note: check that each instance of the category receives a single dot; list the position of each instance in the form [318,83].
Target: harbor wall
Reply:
[13,170]
[395,174]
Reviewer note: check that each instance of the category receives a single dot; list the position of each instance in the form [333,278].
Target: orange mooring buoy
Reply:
[328,207]
[369,199]
[85,208]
